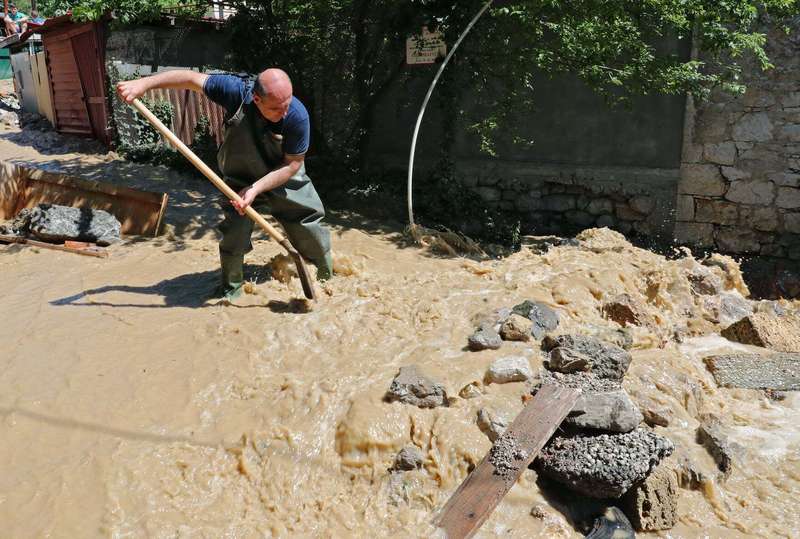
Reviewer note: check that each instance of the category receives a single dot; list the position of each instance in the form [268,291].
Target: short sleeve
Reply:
[296,130]
[228,91]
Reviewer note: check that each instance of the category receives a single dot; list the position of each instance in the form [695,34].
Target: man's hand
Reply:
[132,89]
[248,195]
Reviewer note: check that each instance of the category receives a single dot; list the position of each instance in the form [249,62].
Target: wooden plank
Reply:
[97,252]
[484,488]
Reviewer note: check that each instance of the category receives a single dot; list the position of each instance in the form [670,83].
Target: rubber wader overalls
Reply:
[249,151]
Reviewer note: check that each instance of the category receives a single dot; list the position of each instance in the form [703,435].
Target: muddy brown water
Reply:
[131,408]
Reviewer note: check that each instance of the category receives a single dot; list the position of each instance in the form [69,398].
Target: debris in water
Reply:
[282,268]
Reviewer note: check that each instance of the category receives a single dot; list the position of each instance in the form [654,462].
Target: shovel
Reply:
[302,270]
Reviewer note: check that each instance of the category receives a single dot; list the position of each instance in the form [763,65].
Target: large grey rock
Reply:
[603,359]
[653,504]
[611,411]
[756,371]
[509,369]
[411,387]
[753,127]
[59,223]
[544,318]
[484,339]
[606,465]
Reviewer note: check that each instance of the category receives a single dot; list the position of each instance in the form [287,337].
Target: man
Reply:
[15,21]
[262,154]
[35,19]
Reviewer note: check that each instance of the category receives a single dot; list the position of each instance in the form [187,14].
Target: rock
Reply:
[491,425]
[509,369]
[780,333]
[613,524]
[753,127]
[537,511]
[712,435]
[411,387]
[59,223]
[723,153]
[470,391]
[516,328]
[603,466]
[642,204]
[569,351]
[484,340]
[779,372]
[544,318]
[704,180]
[754,192]
[9,118]
[653,504]
[624,310]
[612,411]
[409,458]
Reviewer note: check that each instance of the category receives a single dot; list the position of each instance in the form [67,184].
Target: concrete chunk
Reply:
[653,504]
[509,369]
[411,387]
[779,372]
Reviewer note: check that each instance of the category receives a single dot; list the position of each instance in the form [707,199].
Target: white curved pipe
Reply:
[425,104]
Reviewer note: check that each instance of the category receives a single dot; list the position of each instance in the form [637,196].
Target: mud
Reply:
[129,407]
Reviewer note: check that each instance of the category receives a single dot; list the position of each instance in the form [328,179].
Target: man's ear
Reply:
[256,98]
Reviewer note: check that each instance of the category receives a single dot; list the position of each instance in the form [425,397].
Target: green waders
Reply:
[249,151]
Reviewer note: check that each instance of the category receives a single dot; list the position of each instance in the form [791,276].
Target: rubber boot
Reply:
[232,276]
[325,268]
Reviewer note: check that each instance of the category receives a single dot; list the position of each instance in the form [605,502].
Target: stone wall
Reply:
[740,179]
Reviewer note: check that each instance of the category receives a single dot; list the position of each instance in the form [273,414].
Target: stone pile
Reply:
[603,452]
[529,319]
[54,223]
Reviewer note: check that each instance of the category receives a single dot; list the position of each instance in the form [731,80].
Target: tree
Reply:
[345,54]
[125,11]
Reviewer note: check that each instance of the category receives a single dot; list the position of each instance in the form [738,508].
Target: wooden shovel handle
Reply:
[302,270]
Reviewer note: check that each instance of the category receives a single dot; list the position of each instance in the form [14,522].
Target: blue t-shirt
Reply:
[229,91]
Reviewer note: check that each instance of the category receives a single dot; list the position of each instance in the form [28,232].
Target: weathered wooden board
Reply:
[97,252]
[484,488]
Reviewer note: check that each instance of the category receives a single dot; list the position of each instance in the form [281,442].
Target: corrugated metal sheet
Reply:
[188,107]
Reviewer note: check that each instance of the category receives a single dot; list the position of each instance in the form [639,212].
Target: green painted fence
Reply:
[5,64]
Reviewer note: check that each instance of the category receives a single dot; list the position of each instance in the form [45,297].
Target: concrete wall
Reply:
[197,46]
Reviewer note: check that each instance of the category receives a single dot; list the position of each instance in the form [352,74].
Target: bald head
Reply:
[272,94]
[274,83]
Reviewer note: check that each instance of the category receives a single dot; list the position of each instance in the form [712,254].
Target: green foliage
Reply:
[140,142]
[124,11]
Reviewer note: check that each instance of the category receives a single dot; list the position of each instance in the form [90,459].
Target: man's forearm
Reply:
[277,177]
[182,79]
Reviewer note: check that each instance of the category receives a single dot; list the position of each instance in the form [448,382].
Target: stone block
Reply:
[736,240]
[642,204]
[753,192]
[791,222]
[558,202]
[612,411]
[626,213]
[790,100]
[788,198]
[653,504]
[784,179]
[780,333]
[570,353]
[790,132]
[697,234]
[527,203]
[684,209]
[703,180]
[764,219]
[753,127]
[693,153]
[716,211]
[509,369]
[721,153]
[599,206]
[733,174]
[756,371]
[580,218]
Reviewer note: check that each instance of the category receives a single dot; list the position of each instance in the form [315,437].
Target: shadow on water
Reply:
[191,290]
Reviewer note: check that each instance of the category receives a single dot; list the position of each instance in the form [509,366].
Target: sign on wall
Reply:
[425,48]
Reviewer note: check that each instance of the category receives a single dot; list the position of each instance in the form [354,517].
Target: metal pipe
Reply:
[425,104]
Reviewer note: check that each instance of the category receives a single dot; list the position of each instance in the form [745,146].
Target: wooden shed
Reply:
[75,60]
